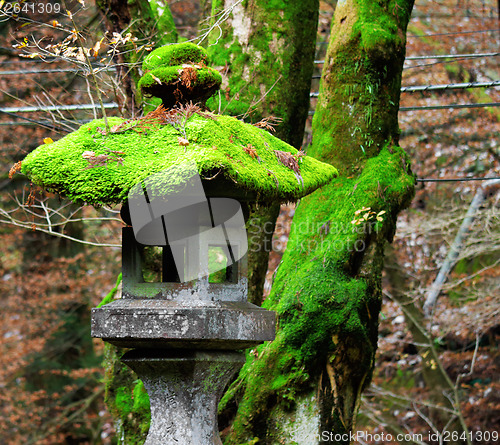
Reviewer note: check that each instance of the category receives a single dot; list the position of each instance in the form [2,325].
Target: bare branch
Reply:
[455,248]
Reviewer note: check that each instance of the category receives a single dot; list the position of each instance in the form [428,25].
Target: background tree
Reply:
[265,51]
[51,391]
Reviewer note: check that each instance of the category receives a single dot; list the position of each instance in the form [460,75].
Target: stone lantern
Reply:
[186,330]
[185,178]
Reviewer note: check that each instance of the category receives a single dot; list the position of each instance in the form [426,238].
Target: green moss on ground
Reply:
[216,144]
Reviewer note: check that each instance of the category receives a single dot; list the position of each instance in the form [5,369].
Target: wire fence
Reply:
[453,56]
[49,108]
[450,106]
[14,111]
[41,71]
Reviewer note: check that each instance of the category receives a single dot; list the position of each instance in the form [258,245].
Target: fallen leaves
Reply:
[183,142]
[102,160]
[251,151]
[288,160]
[15,168]
[189,75]
[268,123]
[366,214]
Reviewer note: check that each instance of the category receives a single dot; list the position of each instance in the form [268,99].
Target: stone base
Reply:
[184,388]
[195,324]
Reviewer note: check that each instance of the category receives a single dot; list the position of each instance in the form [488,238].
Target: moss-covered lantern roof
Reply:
[178,73]
[99,165]
[234,159]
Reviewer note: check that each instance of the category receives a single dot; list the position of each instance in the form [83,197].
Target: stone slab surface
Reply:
[151,323]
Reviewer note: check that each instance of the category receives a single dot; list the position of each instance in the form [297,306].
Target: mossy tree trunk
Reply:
[149,23]
[309,380]
[265,50]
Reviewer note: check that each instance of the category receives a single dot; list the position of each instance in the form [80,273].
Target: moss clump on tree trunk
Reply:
[126,399]
[328,312]
[358,105]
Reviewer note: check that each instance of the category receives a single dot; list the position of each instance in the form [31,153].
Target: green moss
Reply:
[359,102]
[178,74]
[206,77]
[176,54]
[123,401]
[378,27]
[141,404]
[329,301]
[126,398]
[164,73]
[216,144]
[164,22]
[111,295]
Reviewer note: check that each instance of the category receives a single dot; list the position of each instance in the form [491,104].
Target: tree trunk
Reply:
[324,350]
[265,51]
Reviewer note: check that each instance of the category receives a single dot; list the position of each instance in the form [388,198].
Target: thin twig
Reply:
[89,67]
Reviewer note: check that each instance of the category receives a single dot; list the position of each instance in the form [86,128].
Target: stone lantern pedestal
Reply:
[184,388]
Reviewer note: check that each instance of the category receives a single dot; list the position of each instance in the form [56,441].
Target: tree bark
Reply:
[265,51]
